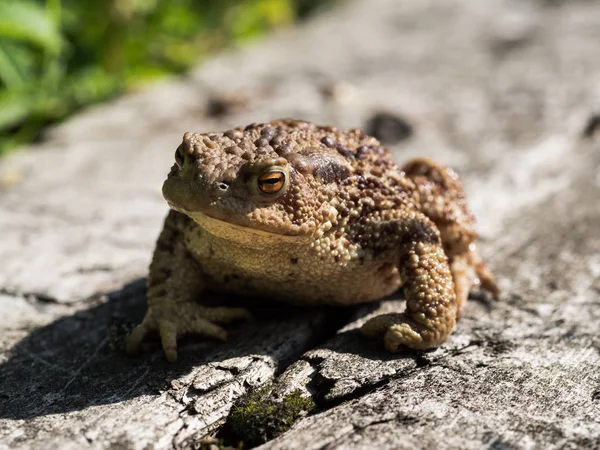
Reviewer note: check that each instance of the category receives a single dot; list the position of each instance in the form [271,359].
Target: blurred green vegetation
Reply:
[59,55]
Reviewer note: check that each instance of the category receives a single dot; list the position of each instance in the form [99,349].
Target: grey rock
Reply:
[506,92]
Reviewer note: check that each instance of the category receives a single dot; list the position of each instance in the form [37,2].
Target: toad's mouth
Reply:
[243,233]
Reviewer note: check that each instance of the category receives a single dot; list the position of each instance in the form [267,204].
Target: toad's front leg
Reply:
[174,283]
[430,298]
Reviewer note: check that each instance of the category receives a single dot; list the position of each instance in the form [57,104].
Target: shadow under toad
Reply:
[78,361]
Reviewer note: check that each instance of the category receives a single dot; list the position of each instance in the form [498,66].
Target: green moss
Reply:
[259,417]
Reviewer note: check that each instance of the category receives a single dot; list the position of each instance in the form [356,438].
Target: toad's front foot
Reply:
[182,319]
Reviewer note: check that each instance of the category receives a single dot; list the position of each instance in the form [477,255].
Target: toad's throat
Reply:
[239,233]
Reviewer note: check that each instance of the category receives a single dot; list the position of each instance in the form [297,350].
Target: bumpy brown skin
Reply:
[344,225]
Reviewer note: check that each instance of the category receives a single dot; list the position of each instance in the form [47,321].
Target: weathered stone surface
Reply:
[504,91]
[72,375]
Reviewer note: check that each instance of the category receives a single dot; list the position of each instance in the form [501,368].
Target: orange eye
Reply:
[271,182]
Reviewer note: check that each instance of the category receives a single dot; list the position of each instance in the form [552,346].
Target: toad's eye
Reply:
[179,157]
[271,182]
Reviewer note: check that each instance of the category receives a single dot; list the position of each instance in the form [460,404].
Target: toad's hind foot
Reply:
[487,282]
[468,271]
[188,319]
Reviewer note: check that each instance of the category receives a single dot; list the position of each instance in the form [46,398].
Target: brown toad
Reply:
[311,215]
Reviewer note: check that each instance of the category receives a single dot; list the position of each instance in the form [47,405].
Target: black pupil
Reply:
[178,155]
[272,181]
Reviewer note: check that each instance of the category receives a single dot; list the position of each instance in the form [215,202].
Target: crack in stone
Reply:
[319,395]
[30,296]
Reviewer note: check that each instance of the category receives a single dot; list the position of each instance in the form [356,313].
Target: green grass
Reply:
[57,56]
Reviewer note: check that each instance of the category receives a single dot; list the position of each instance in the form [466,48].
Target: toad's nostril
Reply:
[223,186]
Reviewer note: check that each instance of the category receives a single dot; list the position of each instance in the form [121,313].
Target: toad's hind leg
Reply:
[174,283]
[468,270]
[442,199]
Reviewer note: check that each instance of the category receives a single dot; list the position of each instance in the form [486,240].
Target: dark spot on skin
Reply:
[326,165]
[344,152]
[419,231]
[328,142]
[211,252]
[331,172]
[397,233]
[362,152]
[267,133]
[294,260]
[389,128]
[370,183]
[378,155]
[596,396]
[592,129]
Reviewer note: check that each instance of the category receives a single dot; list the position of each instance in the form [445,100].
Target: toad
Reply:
[310,214]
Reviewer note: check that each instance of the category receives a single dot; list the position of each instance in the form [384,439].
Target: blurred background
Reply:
[57,56]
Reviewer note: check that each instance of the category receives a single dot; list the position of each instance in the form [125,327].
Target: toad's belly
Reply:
[292,272]
[301,285]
